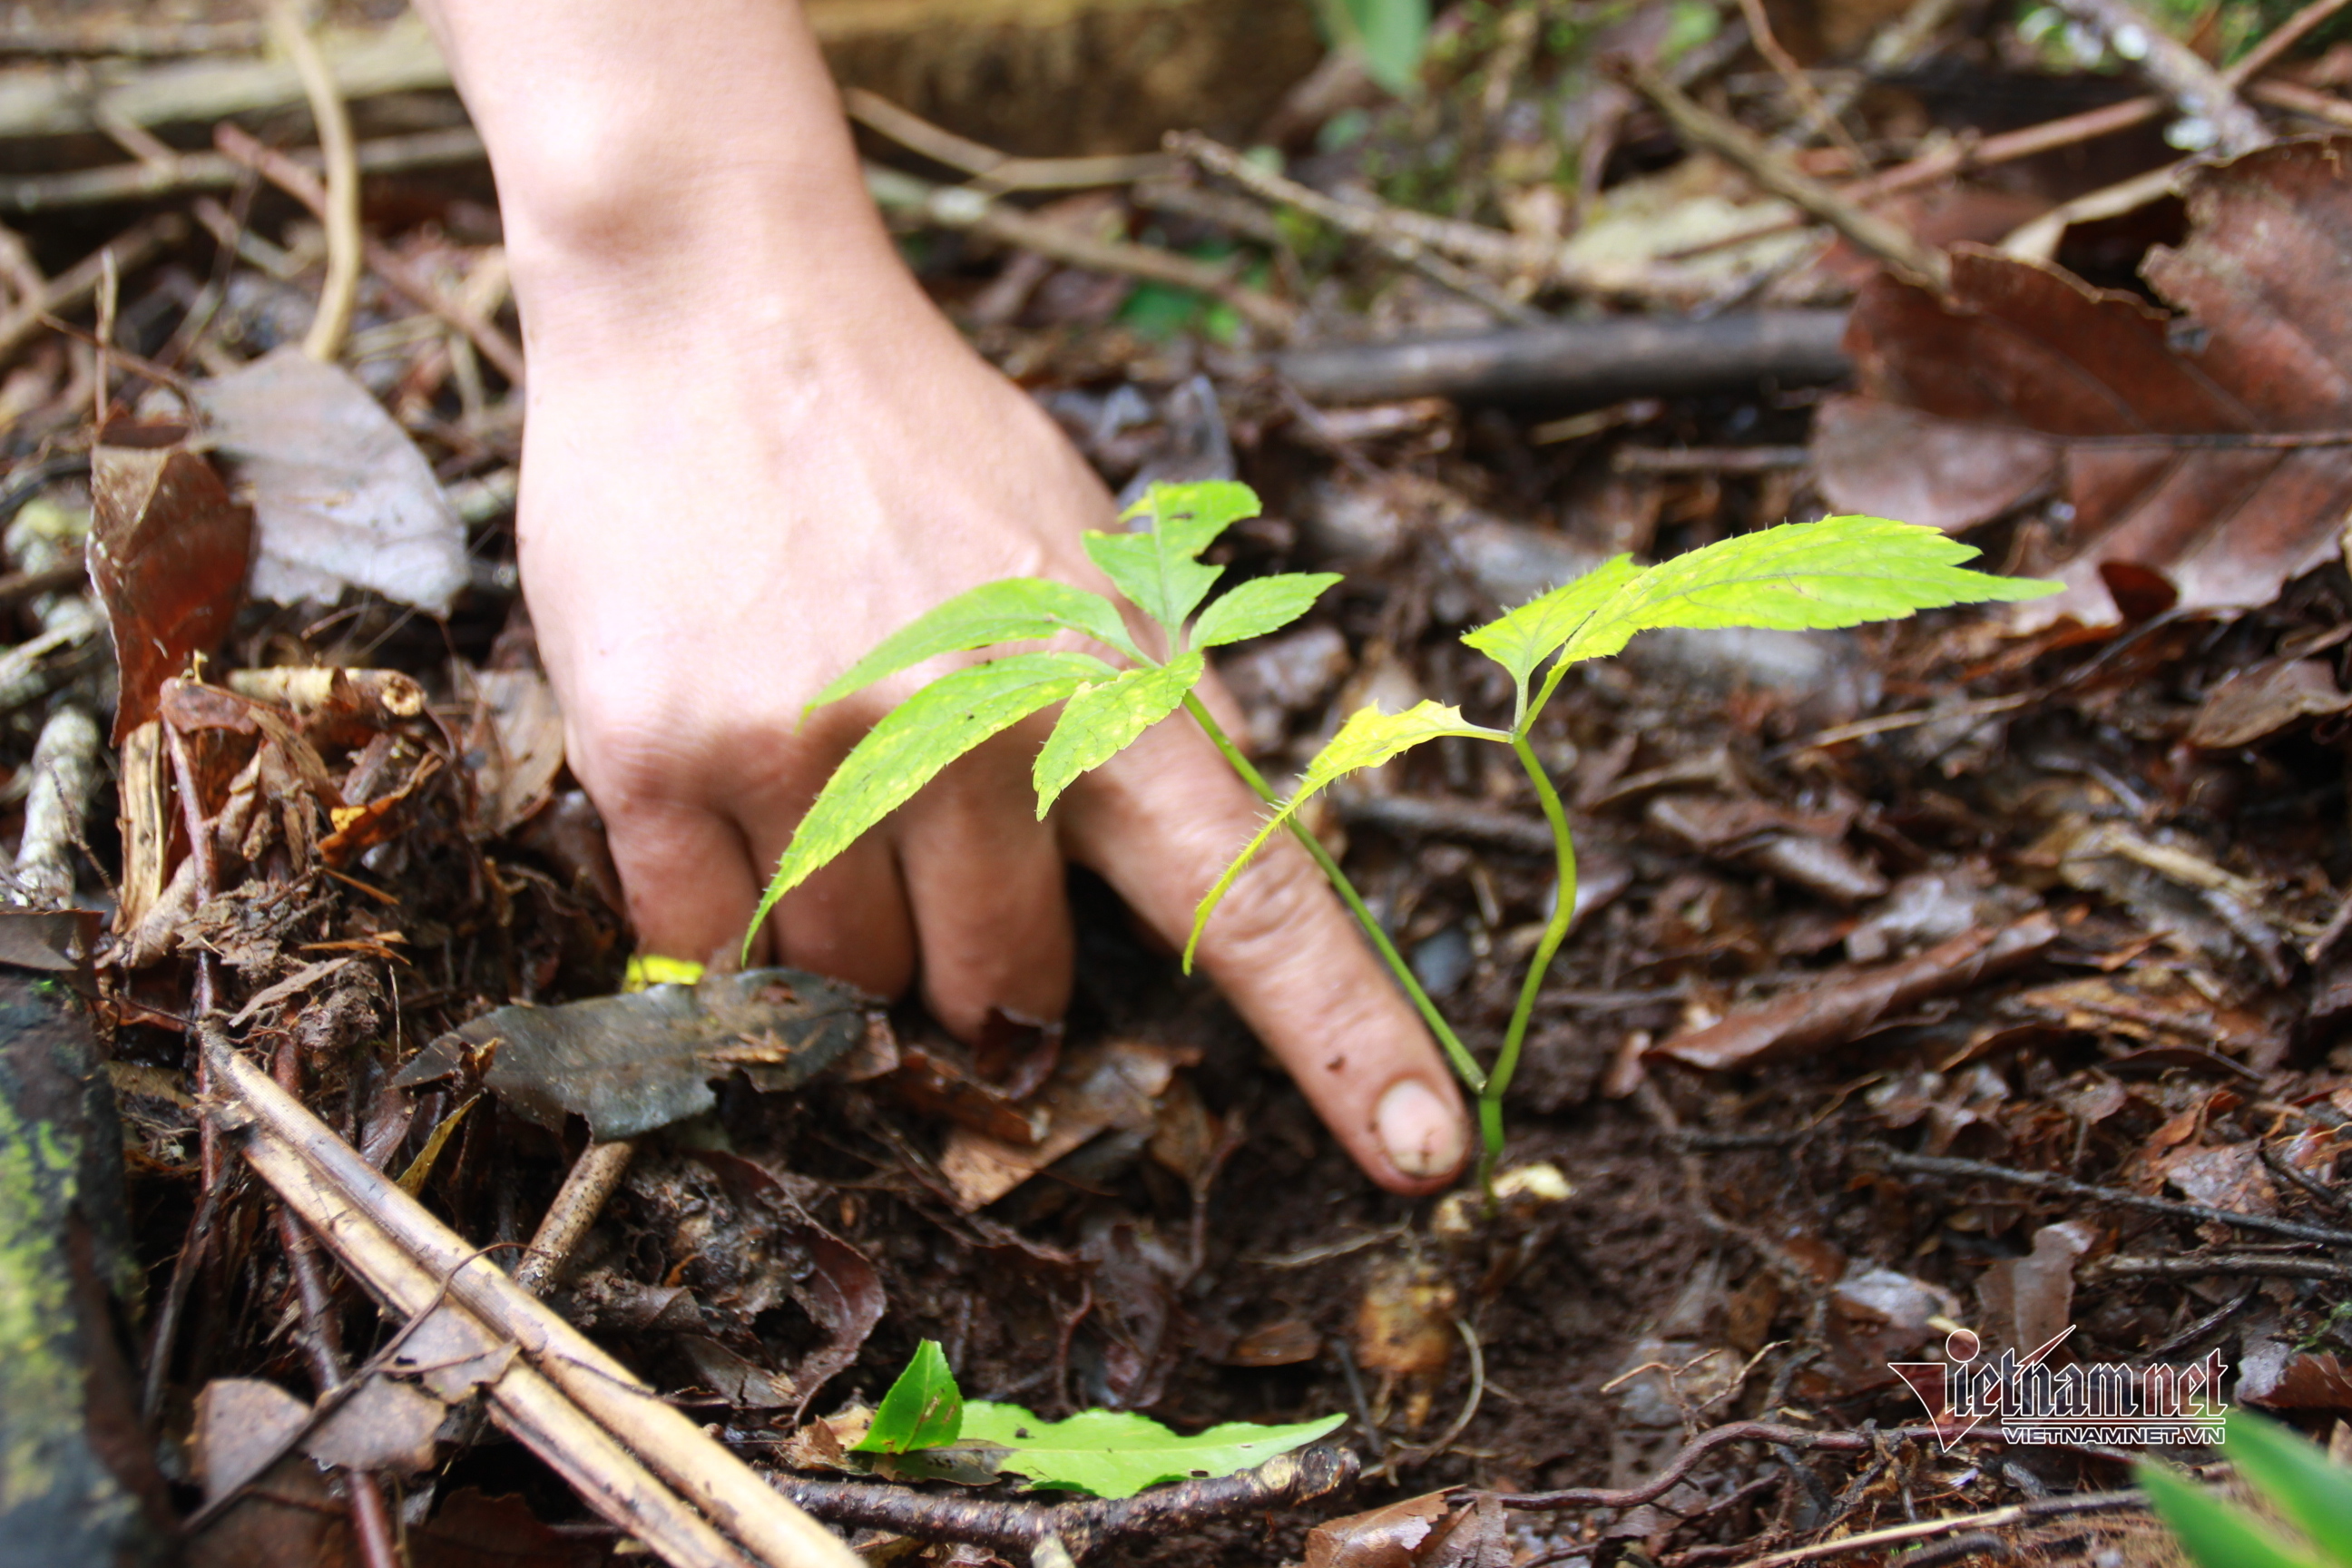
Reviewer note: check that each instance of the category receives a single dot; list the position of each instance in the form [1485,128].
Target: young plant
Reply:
[2297,1479]
[1110,1453]
[1840,572]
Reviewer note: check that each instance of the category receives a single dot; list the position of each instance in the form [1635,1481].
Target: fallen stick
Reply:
[1598,361]
[305,187]
[2173,68]
[991,170]
[1017,1525]
[359,1212]
[340,293]
[401,57]
[72,289]
[1406,237]
[1921,1530]
[219,171]
[2066,1186]
[955,208]
[2190,1266]
[578,1201]
[65,775]
[1702,127]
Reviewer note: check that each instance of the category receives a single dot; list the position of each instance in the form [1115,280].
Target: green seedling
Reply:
[1109,1453]
[2299,1481]
[1840,572]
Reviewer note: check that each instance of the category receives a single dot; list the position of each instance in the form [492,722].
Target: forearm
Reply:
[668,150]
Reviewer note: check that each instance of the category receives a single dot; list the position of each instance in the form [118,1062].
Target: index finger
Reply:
[1158,822]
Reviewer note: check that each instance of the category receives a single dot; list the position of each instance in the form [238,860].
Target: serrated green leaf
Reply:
[1103,720]
[1158,569]
[1258,606]
[1118,1453]
[2297,1478]
[1800,576]
[915,740]
[2217,1535]
[924,1408]
[1016,609]
[1368,738]
[1522,639]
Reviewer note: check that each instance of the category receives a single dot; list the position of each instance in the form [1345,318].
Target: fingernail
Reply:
[1422,1135]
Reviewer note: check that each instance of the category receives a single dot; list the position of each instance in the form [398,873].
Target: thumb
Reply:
[1158,822]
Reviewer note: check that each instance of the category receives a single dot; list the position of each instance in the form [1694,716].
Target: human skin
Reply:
[753,448]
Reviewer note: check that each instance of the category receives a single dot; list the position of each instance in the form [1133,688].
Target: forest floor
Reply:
[1963,982]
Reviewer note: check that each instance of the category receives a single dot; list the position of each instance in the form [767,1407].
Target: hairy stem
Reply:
[1464,1062]
[1555,931]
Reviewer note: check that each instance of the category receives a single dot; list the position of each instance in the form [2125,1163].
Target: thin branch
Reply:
[2173,68]
[991,170]
[1800,86]
[1017,1525]
[953,207]
[404,279]
[1417,240]
[339,294]
[2193,1265]
[581,1198]
[218,171]
[71,289]
[1921,1530]
[1703,128]
[2066,1186]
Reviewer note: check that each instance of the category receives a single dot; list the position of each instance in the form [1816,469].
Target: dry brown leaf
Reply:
[2264,700]
[516,744]
[1379,1538]
[1118,1084]
[341,497]
[1842,1005]
[2209,451]
[168,553]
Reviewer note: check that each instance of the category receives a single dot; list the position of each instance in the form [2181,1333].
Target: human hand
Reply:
[752,450]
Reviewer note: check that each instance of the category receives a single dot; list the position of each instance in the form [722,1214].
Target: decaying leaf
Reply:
[1388,1537]
[1117,1084]
[341,497]
[1844,1004]
[630,1064]
[168,554]
[515,745]
[2264,700]
[2207,450]
[1404,1331]
[2028,1301]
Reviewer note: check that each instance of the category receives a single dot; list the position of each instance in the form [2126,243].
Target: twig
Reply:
[2296,99]
[1888,723]
[990,169]
[71,289]
[1412,240]
[1697,1449]
[404,279]
[577,1203]
[322,1347]
[1708,459]
[950,207]
[2310,1184]
[340,293]
[186,1265]
[64,775]
[1702,127]
[1081,1527]
[2066,1186]
[2283,37]
[1801,87]
[2174,69]
[2016,1513]
[218,171]
[2190,1266]
[389,1239]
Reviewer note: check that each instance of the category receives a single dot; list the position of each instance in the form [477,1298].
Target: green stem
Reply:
[1464,1062]
[1555,931]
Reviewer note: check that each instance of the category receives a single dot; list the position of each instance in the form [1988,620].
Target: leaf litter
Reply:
[2064,905]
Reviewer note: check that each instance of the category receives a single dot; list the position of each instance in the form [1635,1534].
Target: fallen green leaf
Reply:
[1118,1453]
[923,1409]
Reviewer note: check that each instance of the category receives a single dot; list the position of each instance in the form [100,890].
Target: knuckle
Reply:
[1269,908]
